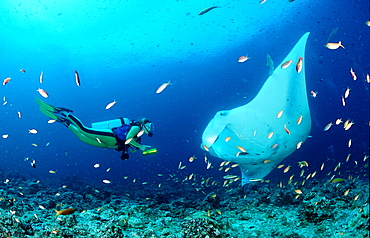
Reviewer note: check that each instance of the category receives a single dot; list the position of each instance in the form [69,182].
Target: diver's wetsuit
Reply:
[106,138]
[115,138]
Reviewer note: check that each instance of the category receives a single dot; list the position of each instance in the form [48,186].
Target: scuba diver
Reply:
[120,134]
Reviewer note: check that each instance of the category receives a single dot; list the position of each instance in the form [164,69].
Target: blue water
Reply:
[124,50]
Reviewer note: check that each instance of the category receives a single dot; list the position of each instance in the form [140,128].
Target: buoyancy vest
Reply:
[121,131]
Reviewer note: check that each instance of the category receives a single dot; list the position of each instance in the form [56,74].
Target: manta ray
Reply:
[261,133]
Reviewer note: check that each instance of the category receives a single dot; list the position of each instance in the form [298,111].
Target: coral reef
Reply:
[257,210]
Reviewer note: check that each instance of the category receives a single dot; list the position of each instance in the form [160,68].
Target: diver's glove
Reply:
[144,147]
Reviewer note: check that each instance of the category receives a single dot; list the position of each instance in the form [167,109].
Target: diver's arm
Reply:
[131,134]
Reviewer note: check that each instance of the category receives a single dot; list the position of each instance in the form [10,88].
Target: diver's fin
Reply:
[47,107]
[55,116]
[52,112]
[48,113]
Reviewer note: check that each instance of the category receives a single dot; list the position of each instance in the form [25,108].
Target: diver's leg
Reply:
[104,137]
[87,140]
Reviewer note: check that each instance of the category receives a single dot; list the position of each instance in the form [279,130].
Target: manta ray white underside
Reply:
[261,133]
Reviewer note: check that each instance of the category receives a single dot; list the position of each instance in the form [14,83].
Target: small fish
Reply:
[349,142]
[42,92]
[255,179]
[286,64]
[140,133]
[299,120]
[65,212]
[303,164]
[287,169]
[106,181]
[77,78]
[191,159]
[190,176]
[274,146]
[209,165]
[234,165]
[299,64]
[179,165]
[346,192]
[261,2]
[32,131]
[348,156]
[334,46]
[52,171]
[266,161]
[279,114]
[227,139]
[313,94]
[128,141]
[19,114]
[270,135]
[162,87]
[22,70]
[6,81]
[242,149]
[41,76]
[353,74]
[51,121]
[337,180]
[205,10]
[322,166]
[327,127]
[110,105]
[98,140]
[96,165]
[338,121]
[41,207]
[243,58]
[280,166]
[348,125]
[298,191]
[346,93]
[367,23]
[299,144]
[33,163]
[367,78]
[286,129]
[5,136]
[230,176]
[205,147]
